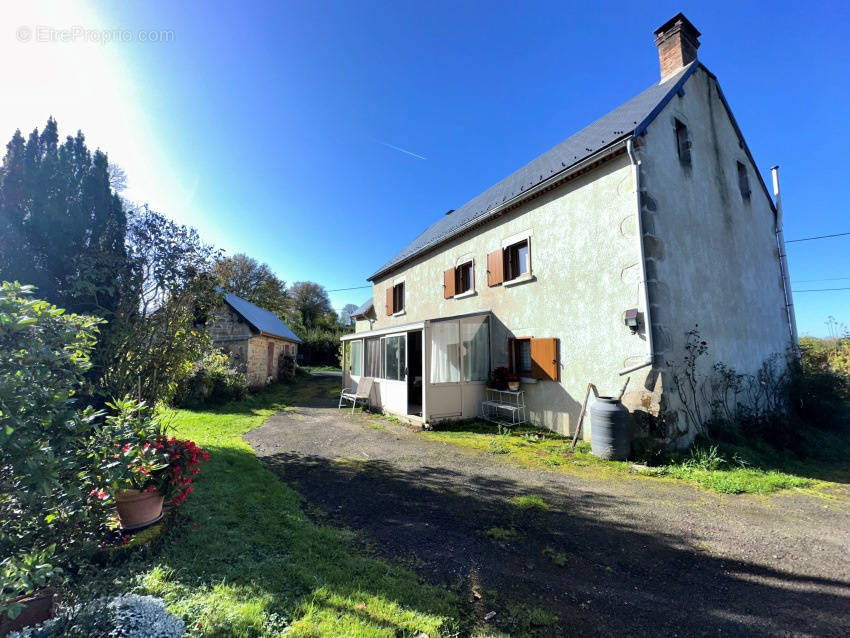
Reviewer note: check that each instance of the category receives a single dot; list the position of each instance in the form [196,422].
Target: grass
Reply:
[732,470]
[529,502]
[501,534]
[320,368]
[244,560]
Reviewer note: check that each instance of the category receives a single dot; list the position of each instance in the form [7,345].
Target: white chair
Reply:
[364,389]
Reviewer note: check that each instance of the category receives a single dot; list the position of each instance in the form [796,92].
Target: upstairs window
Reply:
[510,263]
[395,299]
[744,182]
[458,280]
[683,143]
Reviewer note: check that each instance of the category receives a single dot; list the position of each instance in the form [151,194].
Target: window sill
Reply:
[463,295]
[400,313]
[519,280]
[527,380]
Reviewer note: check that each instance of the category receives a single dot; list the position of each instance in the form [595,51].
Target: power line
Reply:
[808,281]
[791,241]
[820,289]
[342,289]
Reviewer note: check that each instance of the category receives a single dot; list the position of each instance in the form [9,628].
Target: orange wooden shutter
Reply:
[544,359]
[390,300]
[495,268]
[449,283]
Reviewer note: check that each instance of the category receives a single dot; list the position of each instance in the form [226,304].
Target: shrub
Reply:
[23,576]
[286,367]
[45,478]
[126,616]
[135,453]
[212,379]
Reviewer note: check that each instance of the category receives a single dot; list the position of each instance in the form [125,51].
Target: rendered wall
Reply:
[711,254]
[584,256]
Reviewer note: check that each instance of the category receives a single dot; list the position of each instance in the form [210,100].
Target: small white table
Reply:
[504,407]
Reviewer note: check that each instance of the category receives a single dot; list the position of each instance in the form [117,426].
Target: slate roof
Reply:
[629,119]
[362,310]
[263,320]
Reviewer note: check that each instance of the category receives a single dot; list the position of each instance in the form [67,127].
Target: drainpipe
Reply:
[647,318]
[783,264]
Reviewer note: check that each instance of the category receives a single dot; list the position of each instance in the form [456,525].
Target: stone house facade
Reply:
[256,339]
[588,265]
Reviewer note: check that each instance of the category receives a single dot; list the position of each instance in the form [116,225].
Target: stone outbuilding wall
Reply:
[256,355]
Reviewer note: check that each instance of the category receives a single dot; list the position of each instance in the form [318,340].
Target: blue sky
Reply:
[271,127]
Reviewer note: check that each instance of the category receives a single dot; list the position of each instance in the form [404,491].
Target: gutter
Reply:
[647,316]
[548,183]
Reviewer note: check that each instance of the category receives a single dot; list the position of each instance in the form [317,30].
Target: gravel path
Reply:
[610,557]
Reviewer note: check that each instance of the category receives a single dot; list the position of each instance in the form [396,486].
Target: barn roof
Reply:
[263,320]
[629,119]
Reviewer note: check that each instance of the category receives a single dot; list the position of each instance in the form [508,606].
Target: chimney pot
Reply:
[677,41]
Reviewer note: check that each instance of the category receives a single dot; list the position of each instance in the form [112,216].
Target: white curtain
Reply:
[372,360]
[445,352]
[475,336]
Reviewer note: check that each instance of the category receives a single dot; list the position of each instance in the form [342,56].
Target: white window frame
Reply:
[469,258]
[526,236]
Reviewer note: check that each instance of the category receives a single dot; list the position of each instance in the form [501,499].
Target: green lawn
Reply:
[243,560]
[741,471]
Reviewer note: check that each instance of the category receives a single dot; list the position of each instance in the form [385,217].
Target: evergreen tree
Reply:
[62,227]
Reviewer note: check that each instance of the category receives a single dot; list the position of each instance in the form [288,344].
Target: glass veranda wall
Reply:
[456,356]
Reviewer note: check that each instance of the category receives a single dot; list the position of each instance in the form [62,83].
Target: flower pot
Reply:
[39,607]
[513,386]
[137,509]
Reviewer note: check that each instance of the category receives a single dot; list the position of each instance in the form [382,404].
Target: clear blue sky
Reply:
[277,118]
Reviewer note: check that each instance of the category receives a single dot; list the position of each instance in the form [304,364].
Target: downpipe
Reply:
[647,316]
[783,265]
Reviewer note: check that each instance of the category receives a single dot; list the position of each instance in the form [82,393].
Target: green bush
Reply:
[286,367]
[45,479]
[127,616]
[213,379]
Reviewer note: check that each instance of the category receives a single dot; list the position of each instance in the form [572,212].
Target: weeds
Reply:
[529,502]
[559,558]
[501,534]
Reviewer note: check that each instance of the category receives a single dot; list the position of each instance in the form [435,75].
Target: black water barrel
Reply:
[609,429]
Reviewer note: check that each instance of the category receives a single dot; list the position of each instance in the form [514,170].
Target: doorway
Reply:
[414,373]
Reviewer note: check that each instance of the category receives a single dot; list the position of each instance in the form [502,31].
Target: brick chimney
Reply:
[677,41]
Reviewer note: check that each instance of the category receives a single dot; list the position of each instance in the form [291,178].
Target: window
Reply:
[521,357]
[509,263]
[395,299]
[458,280]
[394,358]
[744,181]
[445,352]
[463,278]
[517,260]
[535,358]
[683,143]
[356,358]
[460,350]
[372,358]
[475,339]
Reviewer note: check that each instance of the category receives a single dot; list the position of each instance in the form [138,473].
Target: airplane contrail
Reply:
[401,150]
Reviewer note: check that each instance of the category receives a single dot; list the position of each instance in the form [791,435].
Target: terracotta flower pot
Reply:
[38,608]
[137,509]
[513,386]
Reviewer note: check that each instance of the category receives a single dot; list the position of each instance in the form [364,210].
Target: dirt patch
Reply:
[603,557]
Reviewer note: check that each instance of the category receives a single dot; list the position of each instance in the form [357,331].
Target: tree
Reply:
[251,280]
[62,226]
[345,317]
[158,332]
[310,303]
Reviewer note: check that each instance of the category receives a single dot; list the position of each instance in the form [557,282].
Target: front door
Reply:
[414,373]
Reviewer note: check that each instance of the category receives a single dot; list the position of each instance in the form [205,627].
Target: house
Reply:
[254,337]
[590,264]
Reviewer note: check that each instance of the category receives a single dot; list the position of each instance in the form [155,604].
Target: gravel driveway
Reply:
[610,556]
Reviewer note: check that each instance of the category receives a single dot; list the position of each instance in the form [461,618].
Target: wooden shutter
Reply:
[390,300]
[449,283]
[544,359]
[495,268]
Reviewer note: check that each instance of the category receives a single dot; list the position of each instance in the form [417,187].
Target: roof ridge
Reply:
[629,118]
